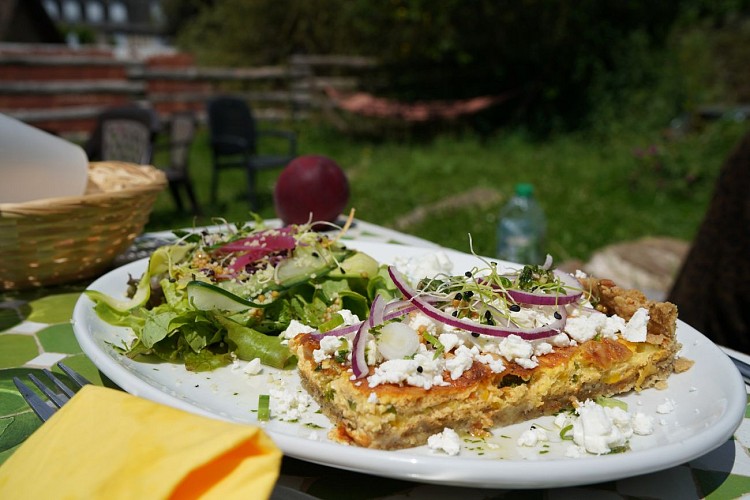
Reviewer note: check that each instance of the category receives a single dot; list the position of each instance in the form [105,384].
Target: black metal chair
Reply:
[182,127]
[125,133]
[234,143]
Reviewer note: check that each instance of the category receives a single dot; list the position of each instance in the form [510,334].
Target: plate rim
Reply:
[400,464]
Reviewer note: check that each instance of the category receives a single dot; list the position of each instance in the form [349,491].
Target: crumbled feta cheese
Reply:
[372,353]
[585,327]
[287,405]
[449,340]
[643,425]
[348,317]
[514,348]
[328,346]
[561,340]
[580,328]
[635,330]
[599,429]
[666,407]
[529,317]
[425,266]
[421,371]
[419,321]
[495,364]
[562,419]
[612,326]
[533,436]
[446,441]
[527,363]
[461,361]
[295,328]
[542,348]
[253,367]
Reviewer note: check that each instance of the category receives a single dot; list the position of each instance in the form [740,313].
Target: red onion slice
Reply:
[496,331]
[393,310]
[359,360]
[571,286]
[547,263]
[572,293]
[377,311]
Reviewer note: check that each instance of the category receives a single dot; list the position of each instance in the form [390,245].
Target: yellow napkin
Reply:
[108,444]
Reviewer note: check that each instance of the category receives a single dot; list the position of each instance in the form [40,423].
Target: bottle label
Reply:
[518,244]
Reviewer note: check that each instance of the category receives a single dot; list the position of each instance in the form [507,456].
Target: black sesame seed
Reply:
[474,334]
[514,307]
[468,294]
[315,254]
[487,315]
[420,369]
[467,274]
[455,314]
[558,315]
[458,296]
[490,321]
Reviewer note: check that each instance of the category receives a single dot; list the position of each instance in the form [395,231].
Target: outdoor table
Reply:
[36,332]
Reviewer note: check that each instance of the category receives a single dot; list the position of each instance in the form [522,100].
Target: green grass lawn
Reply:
[595,190]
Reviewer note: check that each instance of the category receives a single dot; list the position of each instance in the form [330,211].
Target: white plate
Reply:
[709,401]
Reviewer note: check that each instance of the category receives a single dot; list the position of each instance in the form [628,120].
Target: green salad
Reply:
[216,296]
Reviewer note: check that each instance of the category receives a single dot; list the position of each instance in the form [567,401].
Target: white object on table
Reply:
[35,164]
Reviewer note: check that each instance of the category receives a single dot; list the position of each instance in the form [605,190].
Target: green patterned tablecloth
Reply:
[36,333]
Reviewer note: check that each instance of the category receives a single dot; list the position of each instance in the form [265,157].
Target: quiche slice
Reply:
[491,386]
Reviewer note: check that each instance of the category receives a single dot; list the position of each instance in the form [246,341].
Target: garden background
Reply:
[620,113]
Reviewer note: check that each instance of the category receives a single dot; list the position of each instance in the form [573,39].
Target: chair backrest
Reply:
[181,133]
[124,134]
[231,126]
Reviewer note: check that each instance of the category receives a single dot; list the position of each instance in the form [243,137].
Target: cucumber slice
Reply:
[302,267]
[141,296]
[207,297]
[158,263]
[359,265]
[164,256]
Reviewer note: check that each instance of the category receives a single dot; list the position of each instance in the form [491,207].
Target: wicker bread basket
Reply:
[60,240]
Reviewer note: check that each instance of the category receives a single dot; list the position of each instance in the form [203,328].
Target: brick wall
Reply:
[63,90]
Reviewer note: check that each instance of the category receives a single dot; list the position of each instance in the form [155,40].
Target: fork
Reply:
[43,409]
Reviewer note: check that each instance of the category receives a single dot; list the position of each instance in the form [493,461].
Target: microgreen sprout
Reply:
[436,344]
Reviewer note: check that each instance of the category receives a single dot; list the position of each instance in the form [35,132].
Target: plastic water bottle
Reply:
[522,228]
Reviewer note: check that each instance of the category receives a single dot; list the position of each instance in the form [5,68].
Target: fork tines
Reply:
[44,410]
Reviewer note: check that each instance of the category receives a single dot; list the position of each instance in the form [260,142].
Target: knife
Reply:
[743,367]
